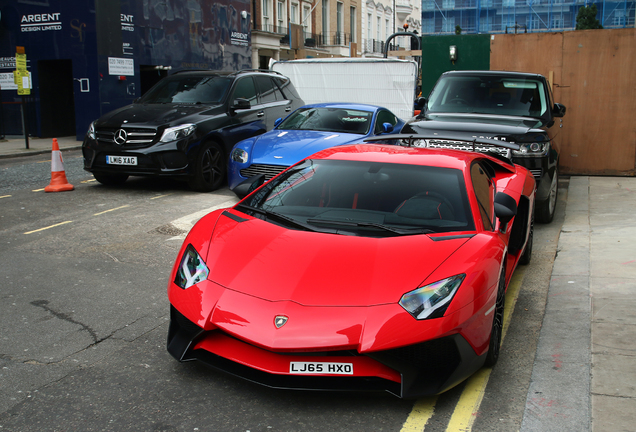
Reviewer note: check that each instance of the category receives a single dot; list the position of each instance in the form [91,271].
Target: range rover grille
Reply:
[468,146]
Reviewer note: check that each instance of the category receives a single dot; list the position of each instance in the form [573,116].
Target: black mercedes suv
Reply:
[509,106]
[186,125]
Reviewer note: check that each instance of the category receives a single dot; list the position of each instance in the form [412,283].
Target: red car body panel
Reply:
[340,293]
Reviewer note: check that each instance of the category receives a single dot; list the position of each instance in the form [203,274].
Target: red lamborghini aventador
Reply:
[365,267]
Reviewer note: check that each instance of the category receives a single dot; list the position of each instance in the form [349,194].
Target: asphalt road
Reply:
[84,318]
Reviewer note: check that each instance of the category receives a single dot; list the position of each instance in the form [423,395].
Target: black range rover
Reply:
[510,106]
[186,125]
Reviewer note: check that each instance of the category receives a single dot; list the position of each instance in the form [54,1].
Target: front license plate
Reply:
[121,160]
[323,368]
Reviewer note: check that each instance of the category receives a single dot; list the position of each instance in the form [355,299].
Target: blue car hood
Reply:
[286,147]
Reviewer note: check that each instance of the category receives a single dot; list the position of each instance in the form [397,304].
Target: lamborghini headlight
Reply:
[239,155]
[532,149]
[178,132]
[431,301]
[192,269]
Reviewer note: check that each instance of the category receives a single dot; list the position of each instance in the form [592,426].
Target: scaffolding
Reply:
[518,16]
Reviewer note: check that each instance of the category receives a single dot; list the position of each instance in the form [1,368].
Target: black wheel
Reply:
[497,324]
[525,258]
[110,179]
[545,209]
[209,168]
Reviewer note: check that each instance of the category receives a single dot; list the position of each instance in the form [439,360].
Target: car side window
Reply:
[266,89]
[245,89]
[384,116]
[485,193]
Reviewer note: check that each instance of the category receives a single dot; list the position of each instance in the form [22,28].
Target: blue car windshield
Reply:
[205,89]
[367,198]
[329,119]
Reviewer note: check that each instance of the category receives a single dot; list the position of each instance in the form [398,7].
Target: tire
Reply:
[546,208]
[209,169]
[526,257]
[494,346]
[110,179]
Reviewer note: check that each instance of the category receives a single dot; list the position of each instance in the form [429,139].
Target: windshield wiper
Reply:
[391,229]
[283,218]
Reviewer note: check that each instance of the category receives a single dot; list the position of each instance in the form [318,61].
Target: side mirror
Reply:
[558,110]
[248,186]
[387,127]
[240,103]
[278,121]
[420,103]
[505,207]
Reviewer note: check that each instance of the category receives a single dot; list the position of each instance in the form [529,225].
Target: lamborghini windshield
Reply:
[364,198]
[489,94]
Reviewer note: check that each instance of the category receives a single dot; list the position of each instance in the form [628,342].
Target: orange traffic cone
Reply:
[58,175]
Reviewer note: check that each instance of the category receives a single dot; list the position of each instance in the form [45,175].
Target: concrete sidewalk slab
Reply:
[15,146]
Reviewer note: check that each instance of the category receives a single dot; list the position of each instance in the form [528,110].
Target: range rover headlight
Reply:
[178,132]
[192,269]
[239,155]
[431,301]
[532,149]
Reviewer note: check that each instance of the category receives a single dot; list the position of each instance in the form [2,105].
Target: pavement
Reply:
[584,374]
[14,146]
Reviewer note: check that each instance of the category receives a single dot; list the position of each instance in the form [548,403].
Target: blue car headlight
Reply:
[431,301]
[178,132]
[239,155]
[192,269]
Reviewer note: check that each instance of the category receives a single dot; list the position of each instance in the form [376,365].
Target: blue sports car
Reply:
[304,132]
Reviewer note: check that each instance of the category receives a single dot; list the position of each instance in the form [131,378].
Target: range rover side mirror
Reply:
[558,110]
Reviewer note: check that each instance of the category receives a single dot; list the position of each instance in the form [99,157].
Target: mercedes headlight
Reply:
[532,149]
[431,301]
[192,269]
[239,155]
[178,132]
[91,131]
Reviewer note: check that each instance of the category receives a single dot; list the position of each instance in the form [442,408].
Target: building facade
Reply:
[518,16]
[382,18]
[86,58]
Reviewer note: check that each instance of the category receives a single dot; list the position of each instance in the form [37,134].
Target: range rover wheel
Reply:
[110,179]
[496,331]
[545,209]
[209,169]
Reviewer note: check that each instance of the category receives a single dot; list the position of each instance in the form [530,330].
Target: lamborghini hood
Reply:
[274,263]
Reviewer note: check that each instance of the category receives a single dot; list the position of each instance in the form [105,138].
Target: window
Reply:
[245,89]
[378,31]
[448,25]
[281,16]
[384,116]
[485,193]
[369,28]
[339,23]
[266,89]
[325,18]
[448,4]
[307,19]
[352,23]
[294,13]
[266,14]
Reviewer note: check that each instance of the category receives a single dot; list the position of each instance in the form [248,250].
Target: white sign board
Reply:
[121,66]
[7,82]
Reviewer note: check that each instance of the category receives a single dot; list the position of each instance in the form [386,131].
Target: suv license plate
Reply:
[323,368]
[121,160]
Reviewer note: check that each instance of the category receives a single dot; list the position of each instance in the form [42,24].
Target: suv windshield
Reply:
[206,89]
[364,198]
[329,119]
[489,94]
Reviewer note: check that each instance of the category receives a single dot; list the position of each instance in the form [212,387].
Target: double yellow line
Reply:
[468,405]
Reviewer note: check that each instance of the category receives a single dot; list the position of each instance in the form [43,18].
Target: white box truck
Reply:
[390,83]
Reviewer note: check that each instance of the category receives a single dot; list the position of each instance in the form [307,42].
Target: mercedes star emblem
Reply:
[120,137]
[280,321]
